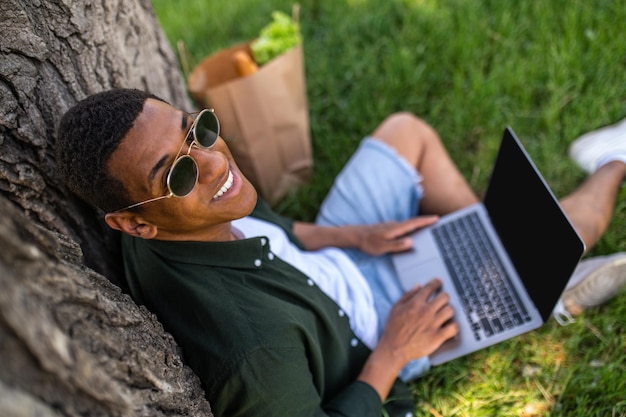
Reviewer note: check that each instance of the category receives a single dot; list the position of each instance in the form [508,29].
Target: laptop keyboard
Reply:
[490,301]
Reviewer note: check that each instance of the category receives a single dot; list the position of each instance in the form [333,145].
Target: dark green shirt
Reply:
[262,337]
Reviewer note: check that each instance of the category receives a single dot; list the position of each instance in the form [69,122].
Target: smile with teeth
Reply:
[225,187]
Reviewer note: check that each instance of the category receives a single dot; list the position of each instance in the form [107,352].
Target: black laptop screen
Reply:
[539,238]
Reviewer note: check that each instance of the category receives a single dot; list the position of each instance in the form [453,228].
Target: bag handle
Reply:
[183,55]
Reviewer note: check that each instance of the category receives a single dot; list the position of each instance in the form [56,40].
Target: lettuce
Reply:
[282,34]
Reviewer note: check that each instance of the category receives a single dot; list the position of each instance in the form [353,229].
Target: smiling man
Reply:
[281,317]
[145,163]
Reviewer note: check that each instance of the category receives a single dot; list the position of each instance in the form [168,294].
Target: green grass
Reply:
[550,69]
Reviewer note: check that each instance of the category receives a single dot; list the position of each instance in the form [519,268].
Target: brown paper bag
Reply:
[264,117]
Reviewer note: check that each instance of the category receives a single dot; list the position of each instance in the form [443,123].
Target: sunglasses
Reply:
[183,175]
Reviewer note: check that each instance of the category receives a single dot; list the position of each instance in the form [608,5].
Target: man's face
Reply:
[142,162]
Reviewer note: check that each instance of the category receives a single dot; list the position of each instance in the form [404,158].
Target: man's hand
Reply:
[376,239]
[418,324]
[390,237]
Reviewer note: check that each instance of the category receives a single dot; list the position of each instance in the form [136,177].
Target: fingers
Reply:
[438,303]
[403,228]
[393,237]
[449,330]
[442,314]
[421,321]
[433,286]
[397,245]
[424,292]
[431,302]
[415,223]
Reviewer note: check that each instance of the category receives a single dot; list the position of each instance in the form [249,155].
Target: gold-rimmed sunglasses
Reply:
[183,175]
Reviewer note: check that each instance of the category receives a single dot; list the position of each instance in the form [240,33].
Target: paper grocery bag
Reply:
[264,117]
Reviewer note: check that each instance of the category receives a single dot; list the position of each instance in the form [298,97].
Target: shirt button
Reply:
[263,241]
[257,262]
[354,342]
[310,282]
[270,256]
[341,313]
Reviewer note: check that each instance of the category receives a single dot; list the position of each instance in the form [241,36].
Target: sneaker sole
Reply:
[598,287]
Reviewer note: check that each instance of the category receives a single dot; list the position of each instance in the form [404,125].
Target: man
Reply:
[280,317]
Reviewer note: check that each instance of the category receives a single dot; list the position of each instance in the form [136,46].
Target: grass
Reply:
[552,70]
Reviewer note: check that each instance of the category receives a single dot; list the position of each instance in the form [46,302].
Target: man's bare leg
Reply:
[597,279]
[590,207]
[445,189]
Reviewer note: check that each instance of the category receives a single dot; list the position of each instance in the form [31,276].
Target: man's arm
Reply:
[373,239]
[279,382]
[418,324]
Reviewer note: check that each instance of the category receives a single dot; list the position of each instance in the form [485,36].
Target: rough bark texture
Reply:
[52,54]
[71,343]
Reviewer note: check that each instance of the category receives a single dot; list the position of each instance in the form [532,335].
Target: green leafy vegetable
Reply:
[282,34]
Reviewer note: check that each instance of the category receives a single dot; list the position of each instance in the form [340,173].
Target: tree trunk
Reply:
[72,343]
[54,53]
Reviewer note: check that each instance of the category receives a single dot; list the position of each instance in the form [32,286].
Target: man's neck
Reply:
[218,233]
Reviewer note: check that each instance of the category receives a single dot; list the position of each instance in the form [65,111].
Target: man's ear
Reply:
[131,224]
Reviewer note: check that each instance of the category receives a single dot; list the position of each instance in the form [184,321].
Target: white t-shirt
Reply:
[331,269]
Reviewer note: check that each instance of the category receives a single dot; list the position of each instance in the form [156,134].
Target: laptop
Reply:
[529,252]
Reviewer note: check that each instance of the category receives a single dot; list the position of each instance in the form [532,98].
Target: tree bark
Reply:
[71,342]
[52,54]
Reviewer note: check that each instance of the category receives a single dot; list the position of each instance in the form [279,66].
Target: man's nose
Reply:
[211,164]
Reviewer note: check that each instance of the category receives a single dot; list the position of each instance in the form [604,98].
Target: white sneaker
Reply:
[592,148]
[594,281]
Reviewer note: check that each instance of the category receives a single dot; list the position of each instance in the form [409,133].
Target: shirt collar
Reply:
[242,253]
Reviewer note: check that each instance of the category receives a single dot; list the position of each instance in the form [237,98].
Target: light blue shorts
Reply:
[376,185]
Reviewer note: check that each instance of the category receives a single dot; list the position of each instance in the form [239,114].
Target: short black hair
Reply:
[88,134]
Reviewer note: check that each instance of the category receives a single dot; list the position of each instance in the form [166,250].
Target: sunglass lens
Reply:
[183,176]
[207,129]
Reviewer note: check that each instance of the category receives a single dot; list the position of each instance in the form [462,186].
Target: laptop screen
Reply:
[539,238]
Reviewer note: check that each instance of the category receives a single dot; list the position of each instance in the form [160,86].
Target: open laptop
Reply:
[528,232]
